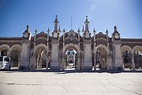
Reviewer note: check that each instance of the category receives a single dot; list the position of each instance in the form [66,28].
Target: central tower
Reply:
[87,62]
[55,46]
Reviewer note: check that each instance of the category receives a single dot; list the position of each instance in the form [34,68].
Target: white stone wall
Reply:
[55,56]
[87,64]
[24,60]
[117,56]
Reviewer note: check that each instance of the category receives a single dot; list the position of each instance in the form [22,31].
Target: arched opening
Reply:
[138,59]
[127,59]
[15,58]
[70,58]
[4,52]
[101,59]
[15,55]
[137,51]
[126,53]
[41,55]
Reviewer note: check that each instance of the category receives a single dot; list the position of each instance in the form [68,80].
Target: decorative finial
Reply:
[59,29]
[82,28]
[27,27]
[56,20]
[115,28]
[78,30]
[86,21]
[86,18]
[48,30]
[64,30]
[35,31]
[94,30]
[106,31]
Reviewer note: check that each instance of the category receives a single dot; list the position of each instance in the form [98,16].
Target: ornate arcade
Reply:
[90,52]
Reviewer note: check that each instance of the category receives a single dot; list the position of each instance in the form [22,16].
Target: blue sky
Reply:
[40,14]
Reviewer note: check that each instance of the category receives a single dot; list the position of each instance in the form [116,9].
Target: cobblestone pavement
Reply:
[70,83]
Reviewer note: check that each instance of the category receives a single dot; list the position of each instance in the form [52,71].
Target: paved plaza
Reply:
[70,83]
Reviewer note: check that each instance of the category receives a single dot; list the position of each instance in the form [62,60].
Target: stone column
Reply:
[54,55]
[47,58]
[47,61]
[94,60]
[24,56]
[60,59]
[63,56]
[63,62]
[94,50]
[78,62]
[109,62]
[133,63]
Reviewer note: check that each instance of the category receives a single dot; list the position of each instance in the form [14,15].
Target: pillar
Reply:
[78,62]
[133,63]
[94,50]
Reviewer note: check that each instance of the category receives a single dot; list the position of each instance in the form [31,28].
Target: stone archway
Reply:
[126,53]
[101,58]
[70,58]
[137,51]
[15,55]
[4,50]
[40,54]
[76,57]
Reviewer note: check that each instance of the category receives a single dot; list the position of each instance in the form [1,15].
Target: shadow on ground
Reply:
[73,71]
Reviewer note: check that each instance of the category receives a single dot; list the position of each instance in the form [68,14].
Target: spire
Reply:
[82,28]
[56,19]
[27,27]
[48,31]
[115,28]
[107,34]
[94,35]
[106,31]
[35,34]
[35,31]
[78,35]
[64,30]
[86,21]
[48,34]
[116,34]
[56,24]
[94,30]
[78,30]
[63,35]
[59,29]
[86,24]
[27,33]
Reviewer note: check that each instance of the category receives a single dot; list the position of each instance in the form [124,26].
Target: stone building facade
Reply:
[93,52]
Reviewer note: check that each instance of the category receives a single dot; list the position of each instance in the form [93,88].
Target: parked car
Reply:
[5,63]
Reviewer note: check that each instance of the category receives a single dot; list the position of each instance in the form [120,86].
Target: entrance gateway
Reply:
[70,50]
[70,59]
